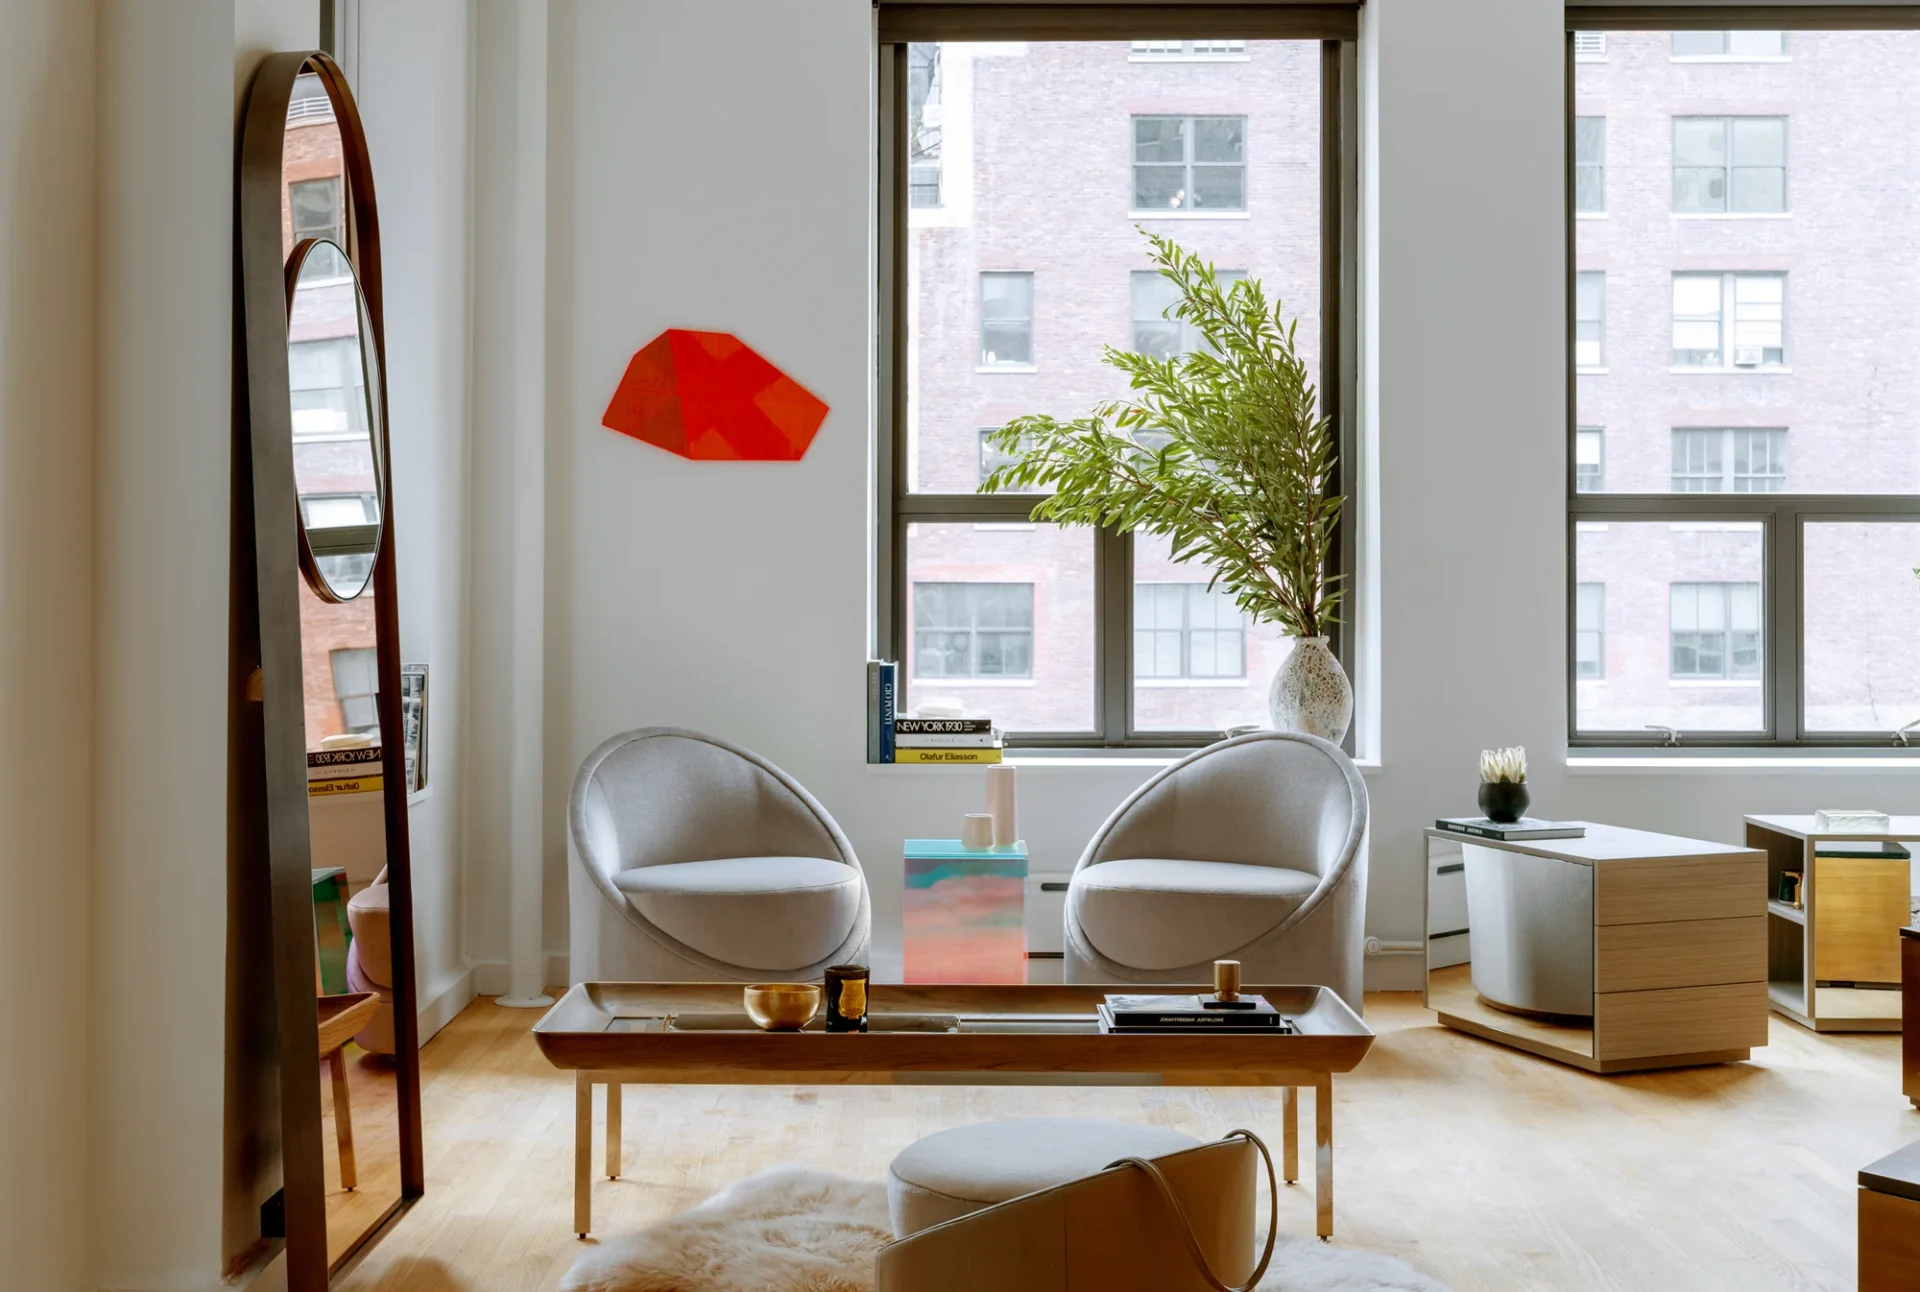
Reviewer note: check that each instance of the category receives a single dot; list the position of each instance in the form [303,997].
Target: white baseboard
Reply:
[442,1006]
[490,976]
[1396,971]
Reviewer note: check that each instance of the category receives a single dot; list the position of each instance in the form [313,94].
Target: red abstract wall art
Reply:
[711,397]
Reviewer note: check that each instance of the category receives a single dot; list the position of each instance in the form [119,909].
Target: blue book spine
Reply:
[889,699]
[873,710]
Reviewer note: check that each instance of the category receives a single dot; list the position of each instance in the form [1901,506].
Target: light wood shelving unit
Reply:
[1852,943]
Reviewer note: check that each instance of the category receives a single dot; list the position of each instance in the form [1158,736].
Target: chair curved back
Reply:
[1111,1231]
[1268,798]
[665,794]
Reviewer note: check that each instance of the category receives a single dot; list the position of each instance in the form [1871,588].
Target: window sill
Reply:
[1730,58]
[1713,683]
[1589,215]
[419,796]
[1081,760]
[1188,215]
[1189,58]
[1696,370]
[1615,762]
[1601,371]
[999,683]
[1190,683]
[1731,215]
[1006,367]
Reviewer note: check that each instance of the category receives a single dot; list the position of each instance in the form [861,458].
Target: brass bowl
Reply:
[782,1006]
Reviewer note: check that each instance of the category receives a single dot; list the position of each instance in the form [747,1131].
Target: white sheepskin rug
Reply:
[795,1230]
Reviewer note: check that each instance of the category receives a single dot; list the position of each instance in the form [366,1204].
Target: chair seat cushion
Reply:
[1154,913]
[766,913]
[954,1173]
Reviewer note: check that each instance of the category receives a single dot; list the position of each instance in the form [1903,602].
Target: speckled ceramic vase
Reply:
[1310,692]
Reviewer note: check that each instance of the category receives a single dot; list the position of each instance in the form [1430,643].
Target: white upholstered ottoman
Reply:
[953,1173]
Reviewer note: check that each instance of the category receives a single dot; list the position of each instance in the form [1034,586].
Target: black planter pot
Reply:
[1504,801]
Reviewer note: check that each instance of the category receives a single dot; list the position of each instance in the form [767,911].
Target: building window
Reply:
[973,630]
[1736,164]
[1590,319]
[1590,46]
[992,459]
[325,381]
[1589,164]
[1732,460]
[1167,50]
[1006,320]
[1729,320]
[923,125]
[964,321]
[1187,630]
[1590,631]
[1729,46]
[1714,630]
[1590,459]
[1153,296]
[356,685]
[1189,164]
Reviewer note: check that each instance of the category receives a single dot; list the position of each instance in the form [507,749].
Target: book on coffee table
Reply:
[1189,1014]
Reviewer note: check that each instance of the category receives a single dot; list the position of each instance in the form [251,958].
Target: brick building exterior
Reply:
[1035,175]
[1783,165]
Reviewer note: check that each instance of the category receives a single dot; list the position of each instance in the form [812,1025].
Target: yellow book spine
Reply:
[946,755]
[345,785]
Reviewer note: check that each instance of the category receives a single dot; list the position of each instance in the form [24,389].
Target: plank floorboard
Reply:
[1483,1166]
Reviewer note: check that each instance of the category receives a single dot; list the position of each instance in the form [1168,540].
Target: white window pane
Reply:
[1673,658]
[1757,44]
[1699,141]
[1696,294]
[1759,141]
[1860,634]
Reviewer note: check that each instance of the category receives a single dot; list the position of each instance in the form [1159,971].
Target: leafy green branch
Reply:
[1241,482]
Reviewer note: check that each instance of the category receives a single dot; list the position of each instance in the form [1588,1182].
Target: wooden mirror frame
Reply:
[272,1011]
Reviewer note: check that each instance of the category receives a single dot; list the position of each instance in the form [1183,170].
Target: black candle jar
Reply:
[847,998]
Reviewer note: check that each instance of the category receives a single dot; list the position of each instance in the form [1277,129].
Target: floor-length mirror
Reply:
[339,478]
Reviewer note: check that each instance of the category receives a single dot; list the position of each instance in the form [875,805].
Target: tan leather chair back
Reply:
[1111,1232]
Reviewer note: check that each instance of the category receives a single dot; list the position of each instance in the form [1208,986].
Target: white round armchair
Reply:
[1253,849]
[696,860]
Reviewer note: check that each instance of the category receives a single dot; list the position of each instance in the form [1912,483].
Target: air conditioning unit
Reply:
[1746,356]
[1589,44]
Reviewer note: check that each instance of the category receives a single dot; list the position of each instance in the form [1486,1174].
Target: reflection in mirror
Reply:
[353,944]
[334,392]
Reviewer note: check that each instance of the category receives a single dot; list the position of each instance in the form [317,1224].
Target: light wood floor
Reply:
[1480,1165]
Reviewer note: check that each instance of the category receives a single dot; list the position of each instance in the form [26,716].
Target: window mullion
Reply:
[1786,720]
[1113,634]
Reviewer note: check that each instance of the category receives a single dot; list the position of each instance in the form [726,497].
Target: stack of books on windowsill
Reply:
[964,742]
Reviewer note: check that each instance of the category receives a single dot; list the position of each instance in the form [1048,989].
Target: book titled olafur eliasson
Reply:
[909,754]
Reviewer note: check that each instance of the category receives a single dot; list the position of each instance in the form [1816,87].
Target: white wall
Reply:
[46,630]
[731,597]
[411,79]
[162,498]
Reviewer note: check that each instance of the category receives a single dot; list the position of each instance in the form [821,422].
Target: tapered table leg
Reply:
[1323,1156]
[613,1130]
[343,1118]
[1290,1124]
[582,1154]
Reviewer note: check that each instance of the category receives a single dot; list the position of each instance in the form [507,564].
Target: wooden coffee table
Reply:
[615,1034]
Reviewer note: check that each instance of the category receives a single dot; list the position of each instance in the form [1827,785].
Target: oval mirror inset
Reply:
[334,383]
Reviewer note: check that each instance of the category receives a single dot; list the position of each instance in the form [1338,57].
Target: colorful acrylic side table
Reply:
[332,935]
[965,912]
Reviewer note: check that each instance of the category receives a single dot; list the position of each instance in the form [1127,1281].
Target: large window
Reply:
[356,685]
[1189,164]
[923,125]
[1742,532]
[1002,301]
[1729,320]
[1736,164]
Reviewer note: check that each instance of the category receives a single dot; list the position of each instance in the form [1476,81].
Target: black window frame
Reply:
[1782,517]
[1335,26]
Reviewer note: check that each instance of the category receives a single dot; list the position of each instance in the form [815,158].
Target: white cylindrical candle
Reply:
[1000,803]
[976,831]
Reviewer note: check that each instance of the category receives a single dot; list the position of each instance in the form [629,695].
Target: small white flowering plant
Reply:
[1504,766]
